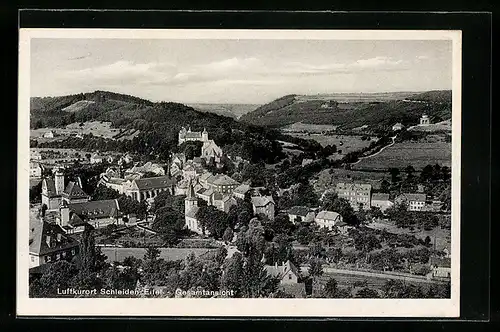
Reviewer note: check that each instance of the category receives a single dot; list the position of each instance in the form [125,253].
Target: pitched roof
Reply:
[353,186]
[192,134]
[380,197]
[262,200]
[96,209]
[42,232]
[51,187]
[154,183]
[73,190]
[222,180]
[281,270]
[440,261]
[242,189]
[299,210]
[328,215]
[414,197]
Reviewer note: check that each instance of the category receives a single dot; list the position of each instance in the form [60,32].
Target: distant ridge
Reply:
[351,110]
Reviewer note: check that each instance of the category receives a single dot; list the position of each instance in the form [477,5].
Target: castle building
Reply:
[192,136]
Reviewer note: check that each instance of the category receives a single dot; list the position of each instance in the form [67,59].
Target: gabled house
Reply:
[415,202]
[263,205]
[241,191]
[327,219]
[381,201]
[96,213]
[300,214]
[287,273]
[49,243]
[441,267]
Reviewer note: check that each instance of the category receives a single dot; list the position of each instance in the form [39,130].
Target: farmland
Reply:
[400,155]
[309,128]
[346,143]
[328,178]
[96,128]
[442,236]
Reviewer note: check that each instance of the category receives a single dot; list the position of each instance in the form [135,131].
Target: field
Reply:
[346,143]
[442,236]
[328,178]
[96,128]
[230,110]
[169,254]
[306,127]
[417,154]
[439,126]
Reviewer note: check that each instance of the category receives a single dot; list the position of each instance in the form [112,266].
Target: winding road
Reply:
[393,138]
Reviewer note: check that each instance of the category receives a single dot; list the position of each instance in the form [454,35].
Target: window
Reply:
[47,259]
[72,251]
[32,258]
[289,276]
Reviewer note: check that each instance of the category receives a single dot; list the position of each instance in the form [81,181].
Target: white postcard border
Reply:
[232,307]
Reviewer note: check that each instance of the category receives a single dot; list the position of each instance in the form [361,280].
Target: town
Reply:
[208,216]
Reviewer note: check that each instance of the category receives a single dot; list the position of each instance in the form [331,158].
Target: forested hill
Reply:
[159,124]
[349,112]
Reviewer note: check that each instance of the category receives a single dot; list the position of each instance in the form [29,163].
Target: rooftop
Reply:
[414,197]
[154,182]
[42,232]
[440,261]
[299,210]
[380,197]
[353,186]
[328,215]
[96,209]
[262,200]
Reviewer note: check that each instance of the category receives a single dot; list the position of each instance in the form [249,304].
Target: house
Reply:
[73,193]
[223,202]
[35,155]
[148,167]
[146,188]
[327,219]
[263,205]
[125,159]
[114,183]
[441,267]
[241,191]
[381,201]
[96,159]
[98,214]
[433,205]
[358,194]
[424,120]
[343,227]
[49,134]
[415,202]
[397,126]
[287,273]
[300,214]
[35,170]
[221,183]
[49,243]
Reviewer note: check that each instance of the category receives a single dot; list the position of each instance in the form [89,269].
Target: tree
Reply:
[35,192]
[409,171]
[44,209]
[212,220]
[91,258]
[331,288]
[367,293]
[228,235]
[152,254]
[315,267]
[394,174]
[385,186]
[57,276]
[331,202]
[102,193]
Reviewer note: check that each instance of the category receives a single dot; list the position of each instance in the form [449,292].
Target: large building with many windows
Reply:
[358,194]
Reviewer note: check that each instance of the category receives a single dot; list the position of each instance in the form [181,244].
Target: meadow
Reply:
[400,155]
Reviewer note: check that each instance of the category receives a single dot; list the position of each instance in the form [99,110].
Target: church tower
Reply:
[190,201]
[59,182]
[204,135]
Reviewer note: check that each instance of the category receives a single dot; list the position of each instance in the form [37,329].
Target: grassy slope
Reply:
[288,110]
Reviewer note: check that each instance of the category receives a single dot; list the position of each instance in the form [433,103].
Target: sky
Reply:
[236,71]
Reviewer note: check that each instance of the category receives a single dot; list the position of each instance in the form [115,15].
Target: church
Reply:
[190,210]
[209,149]
[54,192]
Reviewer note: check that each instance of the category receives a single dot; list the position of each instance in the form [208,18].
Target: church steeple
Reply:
[191,201]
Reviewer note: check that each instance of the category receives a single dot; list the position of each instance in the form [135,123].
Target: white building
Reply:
[424,120]
[358,194]
[35,170]
[381,201]
[327,219]
[415,202]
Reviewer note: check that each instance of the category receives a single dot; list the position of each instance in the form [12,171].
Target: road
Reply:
[356,273]
[376,153]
